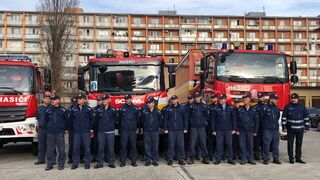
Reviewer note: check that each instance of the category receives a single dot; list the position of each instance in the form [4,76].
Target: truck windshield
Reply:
[248,67]
[16,79]
[126,78]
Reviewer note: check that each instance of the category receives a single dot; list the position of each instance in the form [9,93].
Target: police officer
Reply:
[295,121]
[175,125]
[235,137]
[129,118]
[187,135]
[248,124]
[42,133]
[81,117]
[94,140]
[271,115]
[56,118]
[258,139]
[106,118]
[163,144]
[198,121]
[151,118]
[70,127]
[223,127]
[211,140]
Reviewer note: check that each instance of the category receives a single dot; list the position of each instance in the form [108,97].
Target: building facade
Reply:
[170,35]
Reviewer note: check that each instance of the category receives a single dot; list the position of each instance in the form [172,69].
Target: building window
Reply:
[0,44]
[187,46]
[297,48]
[170,59]
[266,23]
[154,47]
[235,22]
[86,19]
[313,23]
[235,35]
[121,20]
[283,36]
[103,45]
[137,33]
[15,17]
[266,35]
[297,23]
[187,20]
[171,21]
[137,47]
[85,45]
[203,34]
[121,46]
[297,35]
[137,21]
[313,73]
[313,61]
[103,33]
[282,23]
[171,47]
[282,48]
[219,34]
[15,31]
[203,20]
[154,33]
[203,46]
[252,22]
[219,22]
[252,35]
[171,33]
[103,19]
[154,21]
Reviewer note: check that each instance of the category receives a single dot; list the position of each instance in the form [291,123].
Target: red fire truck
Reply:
[116,73]
[22,83]
[234,73]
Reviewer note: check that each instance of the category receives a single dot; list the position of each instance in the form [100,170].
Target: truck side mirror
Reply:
[203,64]
[80,78]
[294,78]
[47,76]
[172,80]
[293,67]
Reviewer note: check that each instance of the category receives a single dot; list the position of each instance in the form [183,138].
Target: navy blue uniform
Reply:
[56,118]
[94,140]
[70,133]
[248,124]
[81,125]
[175,122]
[258,139]
[129,118]
[106,120]
[295,120]
[42,134]
[270,126]
[235,141]
[198,121]
[223,123]
[211,139]
[151,121]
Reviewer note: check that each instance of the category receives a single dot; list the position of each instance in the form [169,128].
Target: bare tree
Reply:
[59,28]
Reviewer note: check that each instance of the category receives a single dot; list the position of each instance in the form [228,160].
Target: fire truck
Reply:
[117,73]
[235,73]
[22,83]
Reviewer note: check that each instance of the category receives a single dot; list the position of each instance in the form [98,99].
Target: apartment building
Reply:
[170,35]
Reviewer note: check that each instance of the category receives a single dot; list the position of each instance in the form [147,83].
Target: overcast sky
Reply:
[189,7]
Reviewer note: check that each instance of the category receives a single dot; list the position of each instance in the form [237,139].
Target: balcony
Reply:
[235,39]
[135,51]
[171,38]
[188,26]
[103,24]
[183,52]
[299,28]
[204,26]
[14,49]
[303,77]
[220,26]
[171,52]
[204,39]
[311,27]
[268,27]
[287,52]
[33,23]
[84,37]
[268,40]
[88,51]
[138,25]
[136,38]
[171,26]
[284,27]
[86,24]
[32,49]
[252,27]
[314,66]
[120,25]
[1,36]
[155,51]
[302,65]
[313,53]
[16,36]
[250,39]
[236,26]
[284,40]
[102,50]
[11,22]
[300,52]
[155,25]
[155,38]
[220,39]
[299,40]
[32,36]
[120,38]
[103,38]
[188,39]
[314,78]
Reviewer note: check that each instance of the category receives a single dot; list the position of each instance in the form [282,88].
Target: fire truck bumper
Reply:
[19,131]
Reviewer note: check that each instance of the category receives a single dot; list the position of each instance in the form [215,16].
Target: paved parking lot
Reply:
[16,162]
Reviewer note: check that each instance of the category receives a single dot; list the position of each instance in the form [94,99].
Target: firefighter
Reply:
[295,121]
[151,118]
[94,140]
[106,117]
[187,135]
[81,116]
[70,132]
[271,115]
[235,137]
[164,137]
[211,140]
[129,118]
[175,125]
[223,127]
[198,119]
[258,139]
[248,124]
[56,118]
[42,133]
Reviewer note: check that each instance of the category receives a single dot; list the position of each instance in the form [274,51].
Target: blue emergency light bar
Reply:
[15,57]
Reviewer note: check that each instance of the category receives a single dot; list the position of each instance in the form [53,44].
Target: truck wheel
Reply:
[35,148]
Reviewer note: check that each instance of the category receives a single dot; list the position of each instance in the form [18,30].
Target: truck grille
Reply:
[12,114]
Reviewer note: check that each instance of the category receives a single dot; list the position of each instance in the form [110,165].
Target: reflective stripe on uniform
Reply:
[296,121]
[297,127]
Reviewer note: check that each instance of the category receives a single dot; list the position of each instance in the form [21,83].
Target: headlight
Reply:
[26,127]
